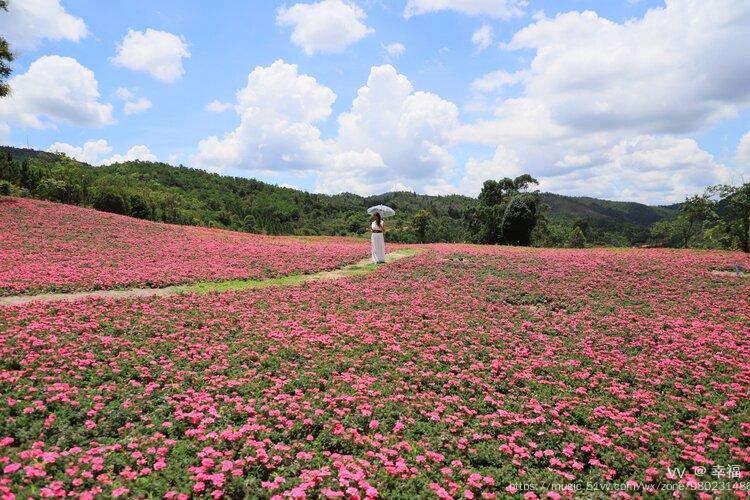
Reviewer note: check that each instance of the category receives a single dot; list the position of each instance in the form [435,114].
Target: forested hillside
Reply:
[615,223]
[161,192]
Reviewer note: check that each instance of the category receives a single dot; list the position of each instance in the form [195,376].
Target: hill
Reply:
[52,247]
[607,222]
[188,196]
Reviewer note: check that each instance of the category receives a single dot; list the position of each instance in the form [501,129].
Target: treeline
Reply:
[507,211]
[181,195]
[718,218]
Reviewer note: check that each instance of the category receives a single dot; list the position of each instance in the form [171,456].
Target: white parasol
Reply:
[383,210]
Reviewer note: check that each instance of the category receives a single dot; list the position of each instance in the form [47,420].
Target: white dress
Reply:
[378,243]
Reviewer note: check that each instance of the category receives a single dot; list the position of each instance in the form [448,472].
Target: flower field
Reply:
[473,372]
[53,247]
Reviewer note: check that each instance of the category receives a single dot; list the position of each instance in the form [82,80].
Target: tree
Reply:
[421,222]
[665,233]
[6,57]
[737,218]
[694,212]
[493,192]
[111,200]
[7,167]
[248,223]
[577,239]
[486,221]
[583,225]
[519,219]
[26,177]
[522,182]
[52,189]
[140,206]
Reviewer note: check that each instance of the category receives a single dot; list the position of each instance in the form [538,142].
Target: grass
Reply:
[295,279]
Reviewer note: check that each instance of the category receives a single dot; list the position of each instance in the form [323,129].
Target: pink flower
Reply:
[11,468]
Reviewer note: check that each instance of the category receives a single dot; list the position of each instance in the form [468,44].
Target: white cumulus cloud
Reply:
[482,37]
[676,69]
[139,152]
[501,9]
[55,90]
[647,169]
[391,136]
[27,22]
[325,26]
[604,107]
[409,130]
[88,153]
[137,106]
[504,163]
[158,53]
[132,103]
[497,80]
[216,106]
[277,109]
[92,151]
[394,50]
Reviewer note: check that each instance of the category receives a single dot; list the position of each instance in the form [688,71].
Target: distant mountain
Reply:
[625,211]
[607,222]
[162,192]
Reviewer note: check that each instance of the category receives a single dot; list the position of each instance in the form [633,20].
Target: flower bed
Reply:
[53,247]
[461,372]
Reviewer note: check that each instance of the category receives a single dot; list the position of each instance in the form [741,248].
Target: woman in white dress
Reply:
[377,240]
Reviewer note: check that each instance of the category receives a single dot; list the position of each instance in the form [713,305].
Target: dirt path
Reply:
[364,266]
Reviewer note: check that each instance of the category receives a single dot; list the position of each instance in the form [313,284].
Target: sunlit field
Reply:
[461,371]
[53,247]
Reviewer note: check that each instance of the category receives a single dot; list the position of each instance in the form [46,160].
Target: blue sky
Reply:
[641,101]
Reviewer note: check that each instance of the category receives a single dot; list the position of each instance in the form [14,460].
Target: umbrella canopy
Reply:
[383,210]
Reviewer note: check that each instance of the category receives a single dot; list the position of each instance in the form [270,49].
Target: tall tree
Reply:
[695,211]
[577,239]
[520,218]
[522,182]
[502,207]
[737,201]
[421,222]
[6,57]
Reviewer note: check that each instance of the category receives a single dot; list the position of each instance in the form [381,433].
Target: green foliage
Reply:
[519,219]
[694,213]
[608,223]
[111,200]
[6,188]
[665,233]
[504,214]
[421,222]
[180,195]
[6,57]
[719,218]
[52,189]
[734,209]
[7,167]
[577,238]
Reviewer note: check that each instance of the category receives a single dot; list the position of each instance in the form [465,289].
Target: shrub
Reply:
[111,200]
[52,189]
[577,239]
